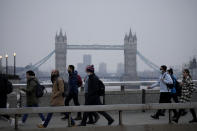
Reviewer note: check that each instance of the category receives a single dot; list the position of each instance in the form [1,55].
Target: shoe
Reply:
[192,121]
[96,119]
[12,121]
[154,117]
[64,118]
[40,126]
[78,118]
[110,122]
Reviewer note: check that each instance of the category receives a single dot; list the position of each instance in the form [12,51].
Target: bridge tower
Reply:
[130,61]
[60,53]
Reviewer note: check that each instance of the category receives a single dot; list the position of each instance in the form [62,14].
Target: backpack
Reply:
[178,88]
[39,90]
[79,81]
[169,86]
[101,90]
[9,87]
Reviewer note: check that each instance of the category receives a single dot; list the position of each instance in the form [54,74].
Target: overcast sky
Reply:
[166,29]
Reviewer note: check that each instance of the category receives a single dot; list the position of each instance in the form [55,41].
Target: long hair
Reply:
[188,72]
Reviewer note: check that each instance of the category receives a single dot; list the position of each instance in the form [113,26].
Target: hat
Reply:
[90,68]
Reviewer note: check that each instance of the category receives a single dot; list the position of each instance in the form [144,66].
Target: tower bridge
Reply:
[129,48]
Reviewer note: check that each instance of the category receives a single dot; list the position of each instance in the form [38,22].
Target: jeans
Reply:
[24,118]
[49,116]
[73,96]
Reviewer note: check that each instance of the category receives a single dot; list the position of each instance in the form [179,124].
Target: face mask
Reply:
[161,71]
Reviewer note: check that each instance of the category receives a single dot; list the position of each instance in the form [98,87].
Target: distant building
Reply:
[102,68]
[120,69]
[87,60]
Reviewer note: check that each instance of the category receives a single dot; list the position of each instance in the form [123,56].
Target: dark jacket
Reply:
[93,97]
[3,91]
[30,90]
[73,83]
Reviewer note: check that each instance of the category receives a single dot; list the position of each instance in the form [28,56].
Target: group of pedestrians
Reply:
[65,91]
[180,92]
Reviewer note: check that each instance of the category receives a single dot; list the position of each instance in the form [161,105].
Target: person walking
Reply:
[5,89]
[165,96]
[90,114]
[57,98]
[31,98]
[186,95]
[173,91]
[72,90]
[92,97]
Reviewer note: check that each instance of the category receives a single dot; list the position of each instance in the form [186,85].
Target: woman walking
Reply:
[187,90]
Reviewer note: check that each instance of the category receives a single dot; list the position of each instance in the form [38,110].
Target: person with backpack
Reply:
[57,98]
[5,89]
[74,81]
[175,90]
[93,97]
[31,99]
[90,114]
[186,95]
[165,97]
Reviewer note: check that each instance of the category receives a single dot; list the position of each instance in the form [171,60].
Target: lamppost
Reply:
[14,63]
[1,57]
[6,57]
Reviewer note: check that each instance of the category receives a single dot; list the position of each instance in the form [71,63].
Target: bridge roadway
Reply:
[137,121]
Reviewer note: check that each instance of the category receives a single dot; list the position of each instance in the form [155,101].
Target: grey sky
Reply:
[166,29]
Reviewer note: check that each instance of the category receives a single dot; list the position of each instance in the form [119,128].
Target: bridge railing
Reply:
[122,85]
[95,108]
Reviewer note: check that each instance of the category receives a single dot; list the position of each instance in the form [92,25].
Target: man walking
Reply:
[165,95]
[92,97]
[72,90]
[31,98]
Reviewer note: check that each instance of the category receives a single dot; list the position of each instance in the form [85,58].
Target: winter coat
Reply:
[57,98]
[30,91]
[187,90]
[93,97]
[73,83]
